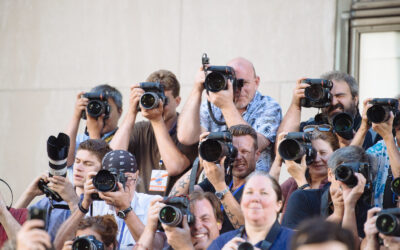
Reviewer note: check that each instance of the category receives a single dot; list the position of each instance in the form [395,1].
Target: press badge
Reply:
[159,180]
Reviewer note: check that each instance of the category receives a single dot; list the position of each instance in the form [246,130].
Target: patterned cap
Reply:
[121,160]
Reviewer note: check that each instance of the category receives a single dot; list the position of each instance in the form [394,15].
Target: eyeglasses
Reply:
[321,128]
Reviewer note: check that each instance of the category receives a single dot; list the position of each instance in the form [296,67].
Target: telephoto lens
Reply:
[295,146]
[87,243]
[380,110]
[388,222]
[342,124]
[216,146]
[171,216]
[346,175]
[57,151]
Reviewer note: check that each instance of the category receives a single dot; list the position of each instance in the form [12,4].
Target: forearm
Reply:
[135,225]
[359,137]
[275,170]
[72,131]
[121,138]
[232,116]
[9,223]
[369,243]
[233,210]
[349,222]
[24,200]
[291,120]
[189,127]
[175,162]
[181,187]
[68,229]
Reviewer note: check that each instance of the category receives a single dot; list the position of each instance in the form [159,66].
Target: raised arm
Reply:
[7,220]
[31,192]
[359,137]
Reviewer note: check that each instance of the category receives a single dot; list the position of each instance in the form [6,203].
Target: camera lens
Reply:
[343,125]
[95,108]
[395,186]
[170,216]
[315,92]
[387,224]
[105,181]
[211,150]
[346,175]
[215,82]
[377,114]
[290,150]
[245,246]
[149,100]
[81,244]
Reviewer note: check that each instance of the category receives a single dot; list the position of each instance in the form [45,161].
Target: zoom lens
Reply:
[170,216]
[378,114]
[105,181]
[215,82]
[346,175]
[95,108]
[149,100]
[315,92]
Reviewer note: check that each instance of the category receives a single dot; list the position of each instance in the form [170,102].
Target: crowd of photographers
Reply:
[207,178]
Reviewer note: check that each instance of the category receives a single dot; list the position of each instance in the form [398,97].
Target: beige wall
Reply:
[52,49]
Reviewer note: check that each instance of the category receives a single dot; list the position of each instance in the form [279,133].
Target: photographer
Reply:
[101,127]
[344,99]
[245,106]
[261,204]
[199,235]
[228,188]
[128,207]
[336,201]
[386,152]
[154,142]
[88,159]
[104,229]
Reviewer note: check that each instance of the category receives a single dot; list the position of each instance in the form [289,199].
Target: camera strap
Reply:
[12,196]
[193,174]
[269,240]
[212,115]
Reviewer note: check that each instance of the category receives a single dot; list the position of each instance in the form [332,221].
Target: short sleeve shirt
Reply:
[263,114]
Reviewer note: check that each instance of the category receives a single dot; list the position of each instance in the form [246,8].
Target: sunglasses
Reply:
[321,128]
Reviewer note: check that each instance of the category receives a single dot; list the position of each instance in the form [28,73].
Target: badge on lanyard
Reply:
[159,179]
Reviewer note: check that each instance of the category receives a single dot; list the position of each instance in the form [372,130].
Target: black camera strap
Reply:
[12,196]
[193,174]
[271,236]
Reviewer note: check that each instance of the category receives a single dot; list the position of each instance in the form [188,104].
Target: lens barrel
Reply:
[171,216]
[343,125]
[215,81]
[213,150]
[149,100]
[105,181]
[378,113]
[346,175]
[388,224]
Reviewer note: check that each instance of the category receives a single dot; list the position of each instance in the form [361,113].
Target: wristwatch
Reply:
[122,214]
[220,195]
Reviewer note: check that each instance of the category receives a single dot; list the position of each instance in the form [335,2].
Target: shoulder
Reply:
[379,146]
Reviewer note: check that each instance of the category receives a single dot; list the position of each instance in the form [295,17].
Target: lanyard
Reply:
[121,235]
[237,190]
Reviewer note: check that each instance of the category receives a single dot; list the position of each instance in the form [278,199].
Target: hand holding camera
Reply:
[352,194]
[298,171]
[64,188]
[120,199]
[317,94]
[31,236]
[153,214]
[89,190]
[179,237]
[80,105]
[385,129]
[298,92]
[134,98]
[337,200]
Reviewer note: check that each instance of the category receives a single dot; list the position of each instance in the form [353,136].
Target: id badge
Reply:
[159,180]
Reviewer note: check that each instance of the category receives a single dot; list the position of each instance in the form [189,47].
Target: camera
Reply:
[38,214]
[388,222]
[97,105]
[57,151]
[342,124]
[172,214]
[107,181]
[216,146]
[395,186]
[154,93]
[217,77]
[295,145]
[345,172]
[87,242]
[318,94]
[380,110]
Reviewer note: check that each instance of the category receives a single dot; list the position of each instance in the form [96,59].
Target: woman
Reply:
[103,228]
[313,176]
[260,204]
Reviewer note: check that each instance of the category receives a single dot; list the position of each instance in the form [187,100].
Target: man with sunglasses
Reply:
[344,99]
[244,106]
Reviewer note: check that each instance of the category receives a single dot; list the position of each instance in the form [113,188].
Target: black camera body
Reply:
[154,93]
[107,181]
[343,124]
[216,146]
[388,222]
[318,94]
[87,242]
[174,210]
[345,172]
[380,110]
[295,146]
[57,151]
[38,214]
[97,105]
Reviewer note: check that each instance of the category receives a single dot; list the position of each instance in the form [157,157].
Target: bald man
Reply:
[245,106]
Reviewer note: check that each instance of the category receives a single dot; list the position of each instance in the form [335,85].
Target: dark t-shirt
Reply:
[144,146]
[208,187]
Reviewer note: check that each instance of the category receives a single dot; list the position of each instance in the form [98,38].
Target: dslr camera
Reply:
[345,172]
[57,151]
[97,105]
[172,214]
[154,93]
[388,222]
[342,124]
[107,181]
[380,110]
[217,77]
[216,146]
[395,186]
[318,94]
[87,242]
[295,145]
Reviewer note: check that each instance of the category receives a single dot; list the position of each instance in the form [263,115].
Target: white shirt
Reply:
[140,205]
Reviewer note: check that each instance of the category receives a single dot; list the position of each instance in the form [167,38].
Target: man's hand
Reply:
[215,174]
[154,210]
[298,171]
[64,188]
[88,190]
[134,98]
[31,237]
[154,115]
[80,105]
[384,129]
[370,225]
[33,189]
[179,238]
[120,199]
[351,195]
[199,80]
[67,245]
[95,126]
[222,99]
[391,242]
[364,118]
[298,92]
[338,203]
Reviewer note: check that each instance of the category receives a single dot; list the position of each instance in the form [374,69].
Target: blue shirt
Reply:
[55,216]
[281,242]
[263,113]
